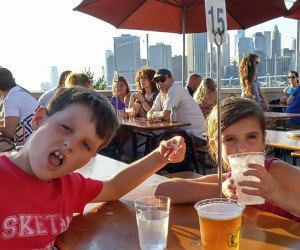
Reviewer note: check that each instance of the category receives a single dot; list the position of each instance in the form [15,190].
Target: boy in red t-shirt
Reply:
[40,192]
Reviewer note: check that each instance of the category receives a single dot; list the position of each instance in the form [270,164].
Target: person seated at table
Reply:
[243,129]
[68,133]
[206,96]
[170,94]
[293,103]
[193,83]
[120,93]
[18,108]
[79,79]
[142,100]
[45,98]
[248,78]
[293,83]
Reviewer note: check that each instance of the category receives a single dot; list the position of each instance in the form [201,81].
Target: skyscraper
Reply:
[127,56]
[276,43]
[259,42]
[53,77]
[109,69]
[226,52]
[160,56]
[197,52]
[245,46]
[267,35]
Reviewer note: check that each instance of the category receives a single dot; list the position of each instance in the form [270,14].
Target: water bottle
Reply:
[173,115]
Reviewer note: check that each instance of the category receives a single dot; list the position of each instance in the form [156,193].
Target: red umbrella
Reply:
[294,11]
[166,15]
[179,16]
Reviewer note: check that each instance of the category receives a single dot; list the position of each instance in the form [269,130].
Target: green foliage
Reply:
[100,84]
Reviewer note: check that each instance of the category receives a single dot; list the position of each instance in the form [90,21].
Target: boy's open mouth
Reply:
[56,158]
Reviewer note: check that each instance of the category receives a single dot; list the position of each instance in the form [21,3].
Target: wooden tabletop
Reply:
[141,124]
[112,225]
[280,115]
[281,139]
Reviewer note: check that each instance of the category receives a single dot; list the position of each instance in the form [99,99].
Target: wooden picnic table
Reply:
[112,225]
[147,129]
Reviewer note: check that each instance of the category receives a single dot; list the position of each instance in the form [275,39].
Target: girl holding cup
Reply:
[243,129]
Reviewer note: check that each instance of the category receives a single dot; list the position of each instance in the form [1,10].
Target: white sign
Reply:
[215,12]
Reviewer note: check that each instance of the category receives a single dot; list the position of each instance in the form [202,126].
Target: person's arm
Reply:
[290,99]
[8,126]
[189,190]
[261,93]
[138,171]
[279,186]
[292,96]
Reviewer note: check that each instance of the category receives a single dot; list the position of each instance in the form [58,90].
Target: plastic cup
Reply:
[238,163]
[130,113]
[220,223]
[120,115]
[152,215]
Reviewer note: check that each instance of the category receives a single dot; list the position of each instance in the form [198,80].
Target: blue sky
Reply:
[36,34]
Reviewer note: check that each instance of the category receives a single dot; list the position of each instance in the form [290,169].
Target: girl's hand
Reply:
[173,149]
[267,187]
[139,96]
[229,189]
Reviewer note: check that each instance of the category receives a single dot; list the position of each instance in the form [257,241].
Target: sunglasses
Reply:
[161,79]
[291,77]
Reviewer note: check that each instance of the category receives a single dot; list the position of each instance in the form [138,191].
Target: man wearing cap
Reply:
[187,109]
[18,108]
[193,83]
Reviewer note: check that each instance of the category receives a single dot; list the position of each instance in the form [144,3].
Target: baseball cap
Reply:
[162,73]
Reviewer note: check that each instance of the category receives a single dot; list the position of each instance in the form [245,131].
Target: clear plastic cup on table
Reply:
[152,215]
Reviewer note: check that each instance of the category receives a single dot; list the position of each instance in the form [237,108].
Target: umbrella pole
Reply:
[219,43]
[183,10]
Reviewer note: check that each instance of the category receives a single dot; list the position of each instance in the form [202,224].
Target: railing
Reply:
[265,81]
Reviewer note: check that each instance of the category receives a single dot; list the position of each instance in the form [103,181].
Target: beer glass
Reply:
[220,222]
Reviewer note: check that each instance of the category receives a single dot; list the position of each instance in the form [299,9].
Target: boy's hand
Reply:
[229,189]
[173,149]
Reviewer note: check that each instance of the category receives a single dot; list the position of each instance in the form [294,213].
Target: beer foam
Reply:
[220,211]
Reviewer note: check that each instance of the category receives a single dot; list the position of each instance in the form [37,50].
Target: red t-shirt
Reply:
[33,213]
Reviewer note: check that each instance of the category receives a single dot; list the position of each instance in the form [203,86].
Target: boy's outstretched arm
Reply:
[189,190]
[171,151]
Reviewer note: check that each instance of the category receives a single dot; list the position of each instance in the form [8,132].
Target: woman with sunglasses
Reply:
[248,78]
[293,83]
[293,101]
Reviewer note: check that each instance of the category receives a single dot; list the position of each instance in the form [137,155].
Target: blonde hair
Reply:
[247,72]
[206,87]
[77,79]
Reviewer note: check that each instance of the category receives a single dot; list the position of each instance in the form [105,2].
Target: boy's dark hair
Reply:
[103,113]
[6,79]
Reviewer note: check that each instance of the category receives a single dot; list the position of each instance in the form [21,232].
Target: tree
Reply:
[100,84]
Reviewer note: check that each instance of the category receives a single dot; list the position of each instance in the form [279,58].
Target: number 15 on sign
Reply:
[215,12]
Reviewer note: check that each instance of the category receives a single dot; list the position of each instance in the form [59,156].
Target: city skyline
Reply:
[40,34]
